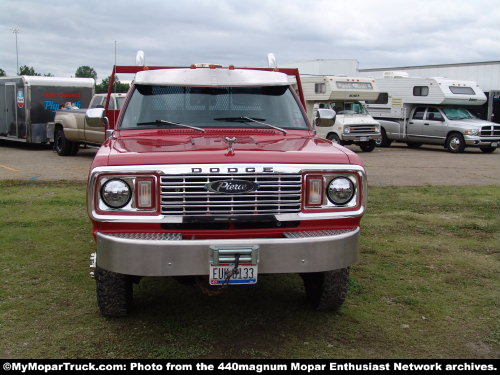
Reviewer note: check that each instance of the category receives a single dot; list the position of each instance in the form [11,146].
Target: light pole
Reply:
[15,31]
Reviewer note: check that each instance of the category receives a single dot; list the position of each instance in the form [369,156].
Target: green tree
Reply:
[48,75]
[2,73]
[26,70]
[119,86]
[85,71]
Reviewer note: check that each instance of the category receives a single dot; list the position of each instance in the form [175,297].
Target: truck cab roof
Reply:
[211,77]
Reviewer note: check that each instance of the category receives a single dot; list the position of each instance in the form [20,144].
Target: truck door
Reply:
[415,124]
[434,127]
[11,109]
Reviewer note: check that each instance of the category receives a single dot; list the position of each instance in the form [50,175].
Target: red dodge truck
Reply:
[214,175]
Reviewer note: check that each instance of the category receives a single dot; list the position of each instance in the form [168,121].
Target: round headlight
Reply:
[340,190]
[347,129]
[116,193]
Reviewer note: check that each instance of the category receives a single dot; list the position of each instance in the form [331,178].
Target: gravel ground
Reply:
[397,165]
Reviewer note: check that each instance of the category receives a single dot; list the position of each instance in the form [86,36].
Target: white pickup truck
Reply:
[71,127]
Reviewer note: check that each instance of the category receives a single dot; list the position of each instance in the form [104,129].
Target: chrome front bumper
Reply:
[144,254]
[357,137]
[478,141]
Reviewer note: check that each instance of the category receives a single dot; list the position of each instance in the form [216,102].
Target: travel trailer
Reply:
[335,104]
[29,103]
[432,111]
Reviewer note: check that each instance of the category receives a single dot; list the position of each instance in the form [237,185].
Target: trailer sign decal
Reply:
[74,95]
[54,106]
[20,99]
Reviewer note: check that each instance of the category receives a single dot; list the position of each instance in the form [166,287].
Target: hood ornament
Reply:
[230,145]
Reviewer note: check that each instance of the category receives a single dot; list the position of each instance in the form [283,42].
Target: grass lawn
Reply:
[427,285]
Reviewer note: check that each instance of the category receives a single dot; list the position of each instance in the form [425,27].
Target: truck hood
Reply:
[356,119]
[167,146]
[471,123]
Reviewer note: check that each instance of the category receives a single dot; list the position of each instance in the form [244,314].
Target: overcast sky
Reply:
[58,36]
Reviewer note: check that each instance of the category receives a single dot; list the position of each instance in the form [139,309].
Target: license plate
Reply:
[363,139]
[494,144]
[247,274]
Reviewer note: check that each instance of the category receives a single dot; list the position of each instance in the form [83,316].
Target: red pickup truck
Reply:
[214,175]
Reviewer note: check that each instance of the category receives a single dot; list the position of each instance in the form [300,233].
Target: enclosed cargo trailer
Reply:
[28,103]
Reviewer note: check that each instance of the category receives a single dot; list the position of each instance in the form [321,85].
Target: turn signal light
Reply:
[144,192]
[314,190]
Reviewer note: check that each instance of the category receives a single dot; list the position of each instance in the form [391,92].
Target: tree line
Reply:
[83,71]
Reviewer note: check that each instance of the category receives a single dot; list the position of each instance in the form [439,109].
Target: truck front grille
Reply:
[363,129]
[490,131]
[187,195]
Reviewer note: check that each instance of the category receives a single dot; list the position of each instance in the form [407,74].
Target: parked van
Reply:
[335,104]
[432,111]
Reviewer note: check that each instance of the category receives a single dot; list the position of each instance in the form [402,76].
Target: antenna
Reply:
[271,61]
[15,30]
[139,58]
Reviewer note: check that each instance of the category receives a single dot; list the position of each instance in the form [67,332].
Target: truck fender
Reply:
[392,129]
[68,122]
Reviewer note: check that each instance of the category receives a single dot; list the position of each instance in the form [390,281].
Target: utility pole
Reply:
[15,31]
[114,88]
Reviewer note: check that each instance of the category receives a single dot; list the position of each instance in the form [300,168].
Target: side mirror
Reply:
[325,117]
[95,118]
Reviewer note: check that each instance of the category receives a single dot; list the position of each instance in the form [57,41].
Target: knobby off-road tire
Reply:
[488,150]
[326,291]
[367,146]
[114,292]
[62,145]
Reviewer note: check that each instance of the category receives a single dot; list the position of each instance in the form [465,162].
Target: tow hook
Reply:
[92,264]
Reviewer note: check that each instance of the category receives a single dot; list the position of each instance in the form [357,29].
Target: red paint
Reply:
[179,146]
[186,146]
[306,225]
[73,95]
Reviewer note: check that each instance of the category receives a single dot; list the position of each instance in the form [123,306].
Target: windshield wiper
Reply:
[157,122]
[250,119]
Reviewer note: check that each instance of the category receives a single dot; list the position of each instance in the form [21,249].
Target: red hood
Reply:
[185,146]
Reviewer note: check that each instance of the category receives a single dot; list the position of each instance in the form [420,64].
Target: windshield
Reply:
[348,108]
[119,101]
[457,113]
[213,107]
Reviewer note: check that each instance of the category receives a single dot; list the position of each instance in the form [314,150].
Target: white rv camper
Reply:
[335,104]
[432,111]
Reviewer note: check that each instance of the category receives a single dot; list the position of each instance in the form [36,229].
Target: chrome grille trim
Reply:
[187,195]
[147,236]
[317,233]
[354,129]
[493,130]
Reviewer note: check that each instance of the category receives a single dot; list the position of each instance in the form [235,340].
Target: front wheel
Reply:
[114,292]
[367,146]
[488,150]
[327,291]
[383,141]
[334,138]
[455,143]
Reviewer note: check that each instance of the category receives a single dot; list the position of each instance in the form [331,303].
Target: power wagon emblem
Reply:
[231,186]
